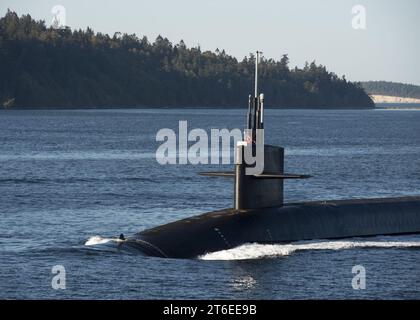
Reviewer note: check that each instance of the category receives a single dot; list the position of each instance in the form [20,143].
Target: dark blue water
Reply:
[67,176]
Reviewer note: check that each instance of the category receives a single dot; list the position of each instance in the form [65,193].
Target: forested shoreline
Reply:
[43,67]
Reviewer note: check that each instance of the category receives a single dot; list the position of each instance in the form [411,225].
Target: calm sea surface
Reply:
[71,178]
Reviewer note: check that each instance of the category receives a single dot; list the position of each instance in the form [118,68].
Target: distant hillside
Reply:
[384,88]
[44,67]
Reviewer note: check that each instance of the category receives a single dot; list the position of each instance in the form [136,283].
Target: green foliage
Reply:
[44,67]
[392,89]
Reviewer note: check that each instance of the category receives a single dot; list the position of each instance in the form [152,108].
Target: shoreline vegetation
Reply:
[46,68]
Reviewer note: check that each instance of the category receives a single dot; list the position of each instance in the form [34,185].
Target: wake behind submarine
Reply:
[259,214]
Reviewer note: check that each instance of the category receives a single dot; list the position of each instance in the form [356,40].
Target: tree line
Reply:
[46,67]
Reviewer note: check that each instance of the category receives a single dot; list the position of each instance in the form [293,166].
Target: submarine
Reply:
[260,215]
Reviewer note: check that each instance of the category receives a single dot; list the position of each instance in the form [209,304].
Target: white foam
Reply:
[97,240]
[257,251]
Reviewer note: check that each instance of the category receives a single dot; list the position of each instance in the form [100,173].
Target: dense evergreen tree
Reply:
[44,67]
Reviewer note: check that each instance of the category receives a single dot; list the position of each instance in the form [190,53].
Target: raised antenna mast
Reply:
[257,60]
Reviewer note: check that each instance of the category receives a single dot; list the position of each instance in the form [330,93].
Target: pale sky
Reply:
[387,49]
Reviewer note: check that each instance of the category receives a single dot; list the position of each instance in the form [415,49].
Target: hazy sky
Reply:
[387,49]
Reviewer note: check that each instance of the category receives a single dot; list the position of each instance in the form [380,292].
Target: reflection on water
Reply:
[244,283]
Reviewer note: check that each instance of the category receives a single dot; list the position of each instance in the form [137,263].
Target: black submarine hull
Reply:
[229,228]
